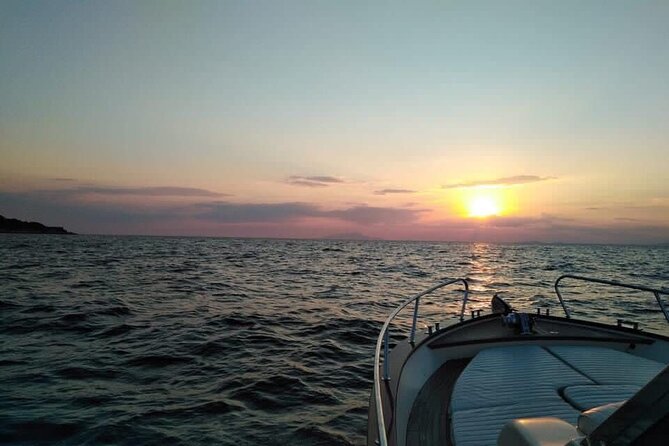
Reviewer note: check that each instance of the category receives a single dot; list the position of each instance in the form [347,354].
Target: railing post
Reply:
[464,303]
[559,295]
[661,304]
[386,354]
[412,336]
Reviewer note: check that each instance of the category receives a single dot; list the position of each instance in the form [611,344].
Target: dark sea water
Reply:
[200,341]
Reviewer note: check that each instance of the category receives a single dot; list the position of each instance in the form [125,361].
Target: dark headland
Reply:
[14,226]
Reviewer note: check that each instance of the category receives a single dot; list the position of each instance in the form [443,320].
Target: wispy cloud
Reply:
[159,191]
[82,216]
[545,228]
[394,191]
[313,181]
[226,212]
[375,215]
[505,181]
[295,219]
[73,207]
[208,215]
[544,220]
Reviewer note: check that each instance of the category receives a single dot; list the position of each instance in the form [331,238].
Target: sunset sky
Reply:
[442,120]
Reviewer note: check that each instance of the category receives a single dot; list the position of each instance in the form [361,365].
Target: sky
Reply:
[469,120]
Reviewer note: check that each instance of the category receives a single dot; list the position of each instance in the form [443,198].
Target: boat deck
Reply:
[469,401]
[429,422]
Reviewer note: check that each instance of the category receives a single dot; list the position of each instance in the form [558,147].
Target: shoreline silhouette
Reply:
[15,226]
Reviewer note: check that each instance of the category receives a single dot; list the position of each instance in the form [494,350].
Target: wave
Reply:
[157,361]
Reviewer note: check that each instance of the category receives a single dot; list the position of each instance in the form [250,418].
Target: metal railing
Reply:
[656,292]
[384,336]
[384,341]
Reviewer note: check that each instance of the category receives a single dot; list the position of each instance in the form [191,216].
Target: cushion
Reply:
[505,383]
[608,366]
[585,397]
[506,375]
[590,419]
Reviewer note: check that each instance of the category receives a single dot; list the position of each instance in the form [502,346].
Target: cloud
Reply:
[226,212]
[104,209]
[98,203]
[544,220]
[375,215]
[505,181]
[542,229]
[159,191]
[394,191]
[73,214]
[209,216]
[111,191]
[313,181]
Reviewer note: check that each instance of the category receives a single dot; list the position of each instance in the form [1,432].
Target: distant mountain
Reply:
[14,226]
[348,236]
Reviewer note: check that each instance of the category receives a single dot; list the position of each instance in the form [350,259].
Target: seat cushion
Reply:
[544,431]
[504,383]
[589,420]
[481,427]
[608,366]
[506,375]
[586,397]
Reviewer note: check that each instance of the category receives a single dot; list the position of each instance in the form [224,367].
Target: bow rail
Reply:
[384,341]
[656,292]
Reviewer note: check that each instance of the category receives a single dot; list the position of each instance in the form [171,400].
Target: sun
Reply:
[482,206]
[482,202]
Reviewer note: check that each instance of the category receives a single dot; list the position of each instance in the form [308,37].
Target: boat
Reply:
[506,377]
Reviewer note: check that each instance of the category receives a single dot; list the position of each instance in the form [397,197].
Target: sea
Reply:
[214,341]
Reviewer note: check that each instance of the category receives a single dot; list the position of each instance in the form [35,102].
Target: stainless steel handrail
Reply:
[655,291]
[384,339]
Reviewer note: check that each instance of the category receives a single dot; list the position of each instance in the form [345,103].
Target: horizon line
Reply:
[370,239]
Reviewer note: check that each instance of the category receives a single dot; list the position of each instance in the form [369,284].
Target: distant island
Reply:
[14,226]
[353,236]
